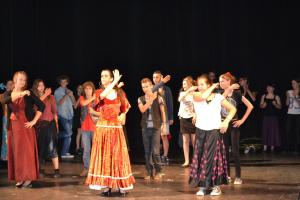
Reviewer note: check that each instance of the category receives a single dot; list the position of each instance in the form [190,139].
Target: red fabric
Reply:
[50,109]
[88,123]
[110,163]
[23,161]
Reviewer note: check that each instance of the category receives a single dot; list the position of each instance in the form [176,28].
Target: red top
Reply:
[111,109]
[50,109]
[88,123]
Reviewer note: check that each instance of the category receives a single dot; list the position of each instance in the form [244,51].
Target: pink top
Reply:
[50,109]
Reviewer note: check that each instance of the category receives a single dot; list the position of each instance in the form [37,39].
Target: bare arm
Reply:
[106,91]
[249,106]
[148,104]
[263,104]
[251,95]
[30,124]
[62,100]
[198,96]
[232,110]
[287,100]
[84,102]
[234,86]
[183,94]
[17,95]
[277,102]
[93,112]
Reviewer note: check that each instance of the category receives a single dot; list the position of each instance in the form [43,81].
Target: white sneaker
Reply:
[67,155]
[228,179]
[238,181]
[216,191]
[201,192]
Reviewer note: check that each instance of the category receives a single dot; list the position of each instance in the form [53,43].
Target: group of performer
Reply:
[208,119]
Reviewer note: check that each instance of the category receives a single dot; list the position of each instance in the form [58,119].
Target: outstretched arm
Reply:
[249,106]
[198,96]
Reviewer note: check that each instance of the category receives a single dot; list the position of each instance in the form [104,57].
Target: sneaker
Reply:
[247,150]
[228,179]
[216,191]
[67,155]
[147,178]
[56,173]
[238,181]
[164,160]
[201,192]
[157,176]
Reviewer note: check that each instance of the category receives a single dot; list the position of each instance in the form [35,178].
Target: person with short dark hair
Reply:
[65,101]
[153,122]
[166,93]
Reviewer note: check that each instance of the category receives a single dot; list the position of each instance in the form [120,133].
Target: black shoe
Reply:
[106,193]
[56,173]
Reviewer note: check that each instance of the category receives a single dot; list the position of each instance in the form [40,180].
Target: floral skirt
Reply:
[209,166]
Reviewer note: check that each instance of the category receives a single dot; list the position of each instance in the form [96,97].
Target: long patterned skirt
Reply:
[209,166]
[109,163]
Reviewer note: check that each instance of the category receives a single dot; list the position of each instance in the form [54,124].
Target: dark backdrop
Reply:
[259,39]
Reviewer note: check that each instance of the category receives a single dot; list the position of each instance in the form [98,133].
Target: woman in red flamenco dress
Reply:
[110,164]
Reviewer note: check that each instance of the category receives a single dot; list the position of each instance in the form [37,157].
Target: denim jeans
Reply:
[87,140]
[151,140]
[65,134]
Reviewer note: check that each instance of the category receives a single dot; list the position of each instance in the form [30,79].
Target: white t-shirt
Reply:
[186,107]
[294,106]
[208,114]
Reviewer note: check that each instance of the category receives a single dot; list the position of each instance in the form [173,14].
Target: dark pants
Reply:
[151,140]
[292,137]
[233,135]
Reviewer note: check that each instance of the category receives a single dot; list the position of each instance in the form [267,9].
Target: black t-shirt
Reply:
[235,99]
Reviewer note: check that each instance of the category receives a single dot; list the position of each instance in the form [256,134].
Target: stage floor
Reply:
[265,177]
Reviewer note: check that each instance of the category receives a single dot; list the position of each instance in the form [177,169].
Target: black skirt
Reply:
[186,126]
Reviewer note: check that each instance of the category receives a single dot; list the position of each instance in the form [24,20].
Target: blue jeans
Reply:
[4,139]
[65,134]
[87,139]
[151,140]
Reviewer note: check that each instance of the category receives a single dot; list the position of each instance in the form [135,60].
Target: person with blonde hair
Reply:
[23,162]
[187,116]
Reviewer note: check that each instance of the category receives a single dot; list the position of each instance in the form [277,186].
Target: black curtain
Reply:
[258,39]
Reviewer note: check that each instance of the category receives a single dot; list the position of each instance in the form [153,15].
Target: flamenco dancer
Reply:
[109,163]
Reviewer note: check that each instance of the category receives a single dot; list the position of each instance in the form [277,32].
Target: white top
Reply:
[294,106]
[208,114]
[186,108]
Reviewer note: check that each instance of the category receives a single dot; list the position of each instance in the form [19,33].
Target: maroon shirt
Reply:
[50,109]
